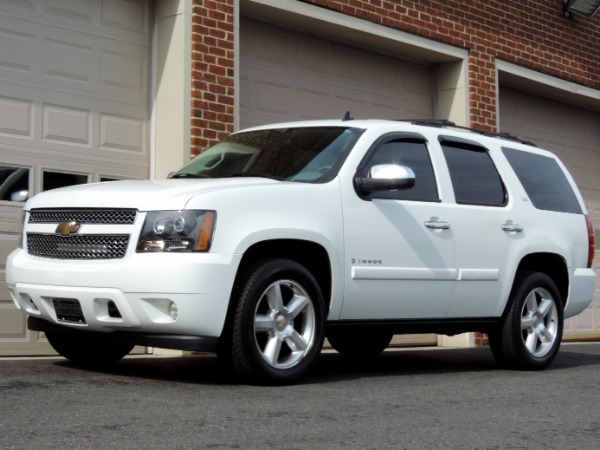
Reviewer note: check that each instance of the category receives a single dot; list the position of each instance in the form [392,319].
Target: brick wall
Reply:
[212,72]
[533,34]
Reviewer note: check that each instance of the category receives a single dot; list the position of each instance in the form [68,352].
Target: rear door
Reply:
[489,230]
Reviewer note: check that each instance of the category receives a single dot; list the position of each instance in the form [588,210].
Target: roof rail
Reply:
[448,123]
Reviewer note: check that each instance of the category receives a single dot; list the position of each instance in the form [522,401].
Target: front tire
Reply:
[531,331]
[277,329]
[87,351]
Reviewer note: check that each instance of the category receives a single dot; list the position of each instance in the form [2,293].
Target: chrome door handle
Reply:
[512,227]
[437,225]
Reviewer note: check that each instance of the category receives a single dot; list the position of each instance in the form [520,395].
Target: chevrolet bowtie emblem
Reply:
[67,228]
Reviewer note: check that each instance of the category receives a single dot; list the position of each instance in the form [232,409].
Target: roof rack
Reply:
[440,123]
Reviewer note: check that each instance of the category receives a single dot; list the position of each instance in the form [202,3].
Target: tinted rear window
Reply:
[474,177]
[544,181]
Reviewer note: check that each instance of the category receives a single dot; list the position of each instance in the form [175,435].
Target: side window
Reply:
[53,180]
[410,153]
[474,177]
[544,181]
[14,183]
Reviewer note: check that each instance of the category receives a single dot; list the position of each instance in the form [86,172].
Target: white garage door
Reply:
[573,133]
[287,75]
[74,78]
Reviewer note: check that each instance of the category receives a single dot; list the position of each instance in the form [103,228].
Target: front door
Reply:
[400,244]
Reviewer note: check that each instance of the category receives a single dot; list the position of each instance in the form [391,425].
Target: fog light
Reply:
[113,311]
[173,312]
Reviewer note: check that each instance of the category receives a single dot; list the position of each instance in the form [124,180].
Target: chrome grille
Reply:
[91,216]
[84,246]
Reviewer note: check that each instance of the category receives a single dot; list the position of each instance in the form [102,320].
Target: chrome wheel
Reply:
[539,322]
[277,328]
[528,338]
[284,324]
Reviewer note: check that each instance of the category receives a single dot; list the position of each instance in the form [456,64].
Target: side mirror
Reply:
[386,177]
[19,196]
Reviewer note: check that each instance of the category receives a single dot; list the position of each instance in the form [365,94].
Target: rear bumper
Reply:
[582,287]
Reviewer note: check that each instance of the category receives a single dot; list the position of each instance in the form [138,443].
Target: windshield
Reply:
[309,154]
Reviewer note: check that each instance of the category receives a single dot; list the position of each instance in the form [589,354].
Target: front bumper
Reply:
[172,341]
[142,288]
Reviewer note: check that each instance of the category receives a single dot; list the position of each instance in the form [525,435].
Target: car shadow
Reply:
[332,367]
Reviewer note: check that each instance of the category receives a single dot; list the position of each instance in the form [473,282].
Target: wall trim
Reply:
[538,83]
[345,28]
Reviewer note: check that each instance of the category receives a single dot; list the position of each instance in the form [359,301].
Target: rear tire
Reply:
[277,328]
[86,351]
[531,331]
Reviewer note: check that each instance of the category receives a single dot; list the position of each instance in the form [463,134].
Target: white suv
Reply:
[283,234]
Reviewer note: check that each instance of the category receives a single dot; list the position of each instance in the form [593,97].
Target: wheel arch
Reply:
[310,254]
[550,264]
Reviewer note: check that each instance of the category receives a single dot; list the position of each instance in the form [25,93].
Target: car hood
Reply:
[143,195]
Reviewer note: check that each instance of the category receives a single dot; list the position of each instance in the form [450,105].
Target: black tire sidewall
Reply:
[513,348]
[246,357]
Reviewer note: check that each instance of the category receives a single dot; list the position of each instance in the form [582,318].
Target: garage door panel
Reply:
[124,74]
[313,57]
[350,67]
[417,82]
[126,16]
[67,62]
[358,107]
[311,101]
[382,108]
[16,117]
[123,136]
[17,52]
[14,321]
[79,10]
[61,125]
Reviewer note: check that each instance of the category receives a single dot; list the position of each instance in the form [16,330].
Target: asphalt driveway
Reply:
[418,398]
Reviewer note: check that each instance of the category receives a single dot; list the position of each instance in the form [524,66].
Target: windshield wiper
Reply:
[256,174]
[190,175]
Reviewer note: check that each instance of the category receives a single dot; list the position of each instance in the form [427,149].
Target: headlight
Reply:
[177,231]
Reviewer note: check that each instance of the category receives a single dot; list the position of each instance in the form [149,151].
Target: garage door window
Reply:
[54,180]
[14,183]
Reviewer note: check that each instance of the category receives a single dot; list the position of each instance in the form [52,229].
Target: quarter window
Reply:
[474,177]
[544,181]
